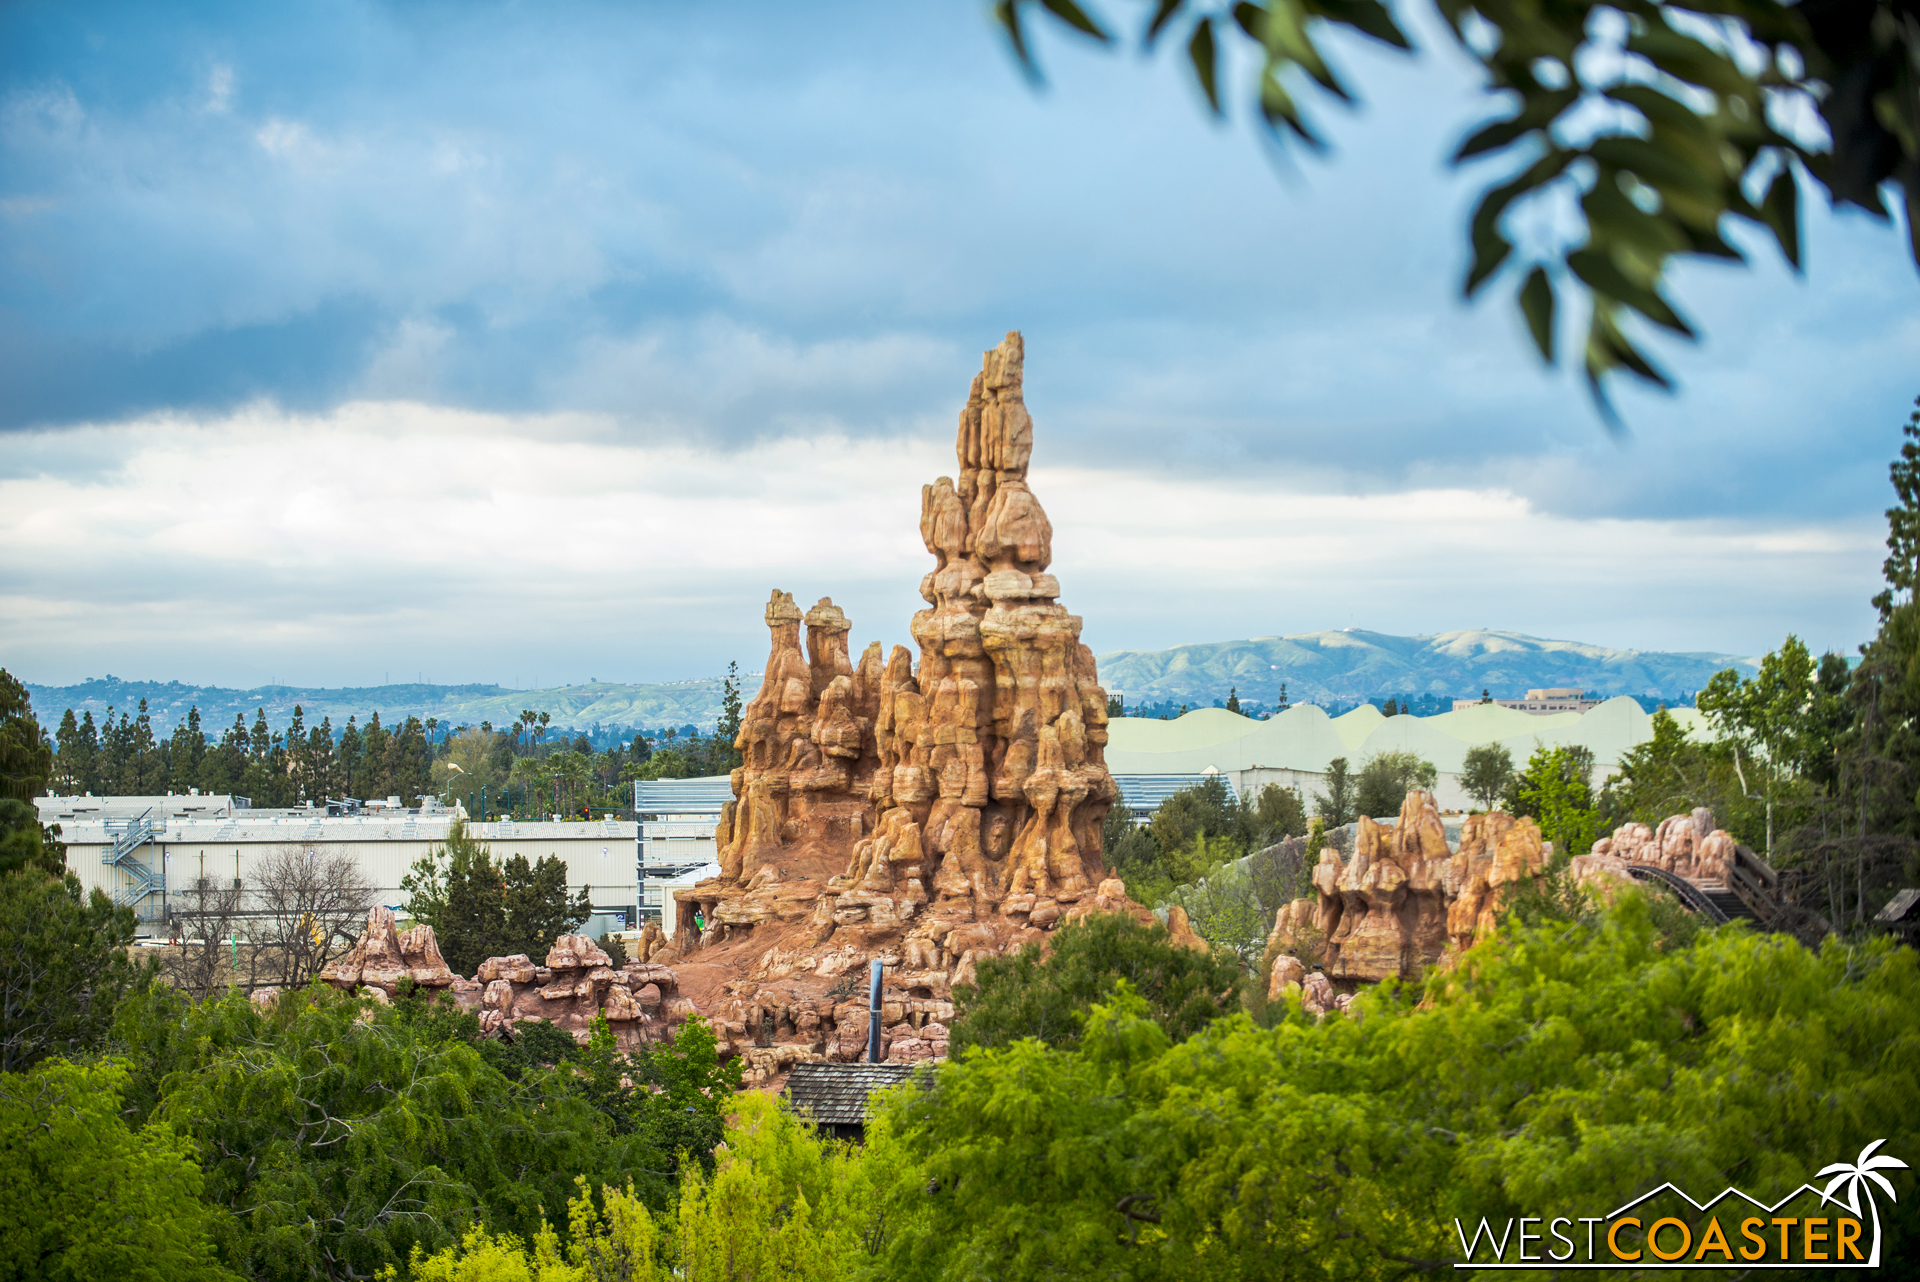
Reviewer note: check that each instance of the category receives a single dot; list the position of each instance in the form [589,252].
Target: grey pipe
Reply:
[873,1013]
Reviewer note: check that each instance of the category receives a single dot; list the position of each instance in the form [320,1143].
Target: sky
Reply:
[535,344]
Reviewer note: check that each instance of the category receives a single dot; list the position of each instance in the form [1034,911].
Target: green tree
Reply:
[342,1135]
[26,757]
[26,762]
[1567,1063]
[1029,995]
[1765,718]
[1902,566]
[1277,813]
[83,1196]
[536,905]
[1205,808]
[1556,790]
[1336,804]
[1386,778]
[1233,699]
[1133,855]
[1670,774]
[781,1204]
[63,966]
[1655,135]
[1489,769]
[727,729]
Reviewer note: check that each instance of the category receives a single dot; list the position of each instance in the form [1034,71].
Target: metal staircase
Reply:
[143,881]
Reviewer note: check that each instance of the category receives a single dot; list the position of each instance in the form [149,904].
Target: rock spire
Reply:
[975,777]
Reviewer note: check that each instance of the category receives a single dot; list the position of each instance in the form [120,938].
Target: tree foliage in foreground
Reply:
[779,1204]
[84,1196]
[63,967]
[1567,1064]
[1663,123]
[339,1136]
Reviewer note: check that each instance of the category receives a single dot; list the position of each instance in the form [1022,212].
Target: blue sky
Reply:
[517,342]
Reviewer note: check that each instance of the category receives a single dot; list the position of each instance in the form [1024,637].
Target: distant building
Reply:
[150,853]
[1540,702]
[1143,794]
[677,848]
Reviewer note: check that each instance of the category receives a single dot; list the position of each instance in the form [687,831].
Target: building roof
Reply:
[836,1094]
[704,795]
[1900,907]
[1143,794]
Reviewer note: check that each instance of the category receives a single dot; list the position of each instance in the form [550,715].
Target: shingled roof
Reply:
[836,1094]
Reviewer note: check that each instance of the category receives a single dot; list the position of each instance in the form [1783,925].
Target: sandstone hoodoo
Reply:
[926,814]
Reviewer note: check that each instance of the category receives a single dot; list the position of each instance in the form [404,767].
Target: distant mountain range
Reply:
[580,707]
[1317,667]
[1353,666]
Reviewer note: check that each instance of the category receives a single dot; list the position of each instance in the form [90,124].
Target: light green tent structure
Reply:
[1305,738]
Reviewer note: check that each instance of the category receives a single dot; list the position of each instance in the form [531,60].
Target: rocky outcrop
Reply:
[1686,845]
[384,955]
[1403,901]
[578,983]
[926,811]
[575,983]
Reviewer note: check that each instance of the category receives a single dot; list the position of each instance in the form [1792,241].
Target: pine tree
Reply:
[66,772]
[1903,523]
[728,728]
[1233,699]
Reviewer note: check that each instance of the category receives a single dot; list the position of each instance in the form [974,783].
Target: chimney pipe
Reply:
[873,1012]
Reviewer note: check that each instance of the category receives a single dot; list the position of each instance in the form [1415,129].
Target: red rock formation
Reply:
[578,983]
[384,955]
[1405,901]
[1686,845]
[641,1002]
[924,815]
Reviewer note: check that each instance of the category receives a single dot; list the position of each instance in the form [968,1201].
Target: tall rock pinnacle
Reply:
[924,814]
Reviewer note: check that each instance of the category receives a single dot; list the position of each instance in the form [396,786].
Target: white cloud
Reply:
[397,535]
[219,89]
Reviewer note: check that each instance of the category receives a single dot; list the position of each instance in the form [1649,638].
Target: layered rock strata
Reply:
[384,955]
[926,813]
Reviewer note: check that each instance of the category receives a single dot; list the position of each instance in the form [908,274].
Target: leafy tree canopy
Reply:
[63,966]
[1386,778]
[1567,1064]
[1046,997]
[84,1196]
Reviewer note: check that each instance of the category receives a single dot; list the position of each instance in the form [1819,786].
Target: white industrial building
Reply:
[144,852]
[677,849]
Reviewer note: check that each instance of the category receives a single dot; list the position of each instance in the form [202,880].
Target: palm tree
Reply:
[1855,1176]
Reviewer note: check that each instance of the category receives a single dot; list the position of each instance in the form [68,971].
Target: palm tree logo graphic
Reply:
[1855,1175]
